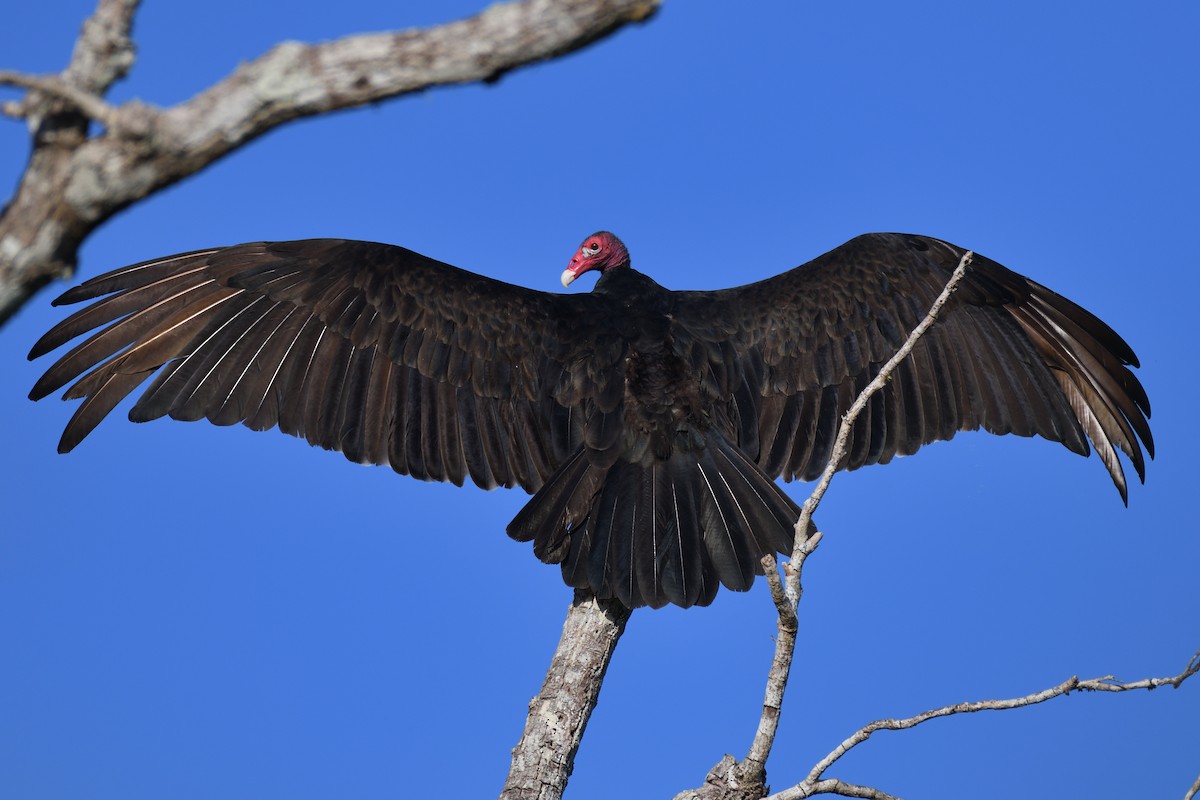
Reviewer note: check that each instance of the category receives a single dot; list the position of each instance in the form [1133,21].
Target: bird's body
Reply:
[659,504]
[649,424]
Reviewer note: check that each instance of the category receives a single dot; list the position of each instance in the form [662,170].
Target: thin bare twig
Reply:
[747,778]
[813,784]
[860,402]
[785,642]
[85,102]
[1192,791]
[103,54]
[835,786]
[787,626]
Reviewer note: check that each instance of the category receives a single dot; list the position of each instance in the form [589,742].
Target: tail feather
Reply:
[682,566]
[723,528]
[555,510]
[670,531]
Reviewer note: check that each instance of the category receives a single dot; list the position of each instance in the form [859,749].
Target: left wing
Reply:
[1006,354]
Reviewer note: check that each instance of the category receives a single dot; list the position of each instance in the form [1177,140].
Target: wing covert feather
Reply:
[371,349]
[1007,355]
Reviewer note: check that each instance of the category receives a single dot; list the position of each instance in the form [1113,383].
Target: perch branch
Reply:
[544,757]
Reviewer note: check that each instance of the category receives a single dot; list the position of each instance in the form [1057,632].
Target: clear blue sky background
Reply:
[192,612]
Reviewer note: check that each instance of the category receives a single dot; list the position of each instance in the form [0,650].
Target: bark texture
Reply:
[545,755]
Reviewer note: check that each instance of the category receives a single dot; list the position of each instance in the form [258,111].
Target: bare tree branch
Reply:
[544,757]
[295,80]
[792,585]
[75,181]
[1192,791]
[834,786]
[813,784]
[104,51]
[85,102]
[747,778]
[785,646]
[103,54]
[781,663]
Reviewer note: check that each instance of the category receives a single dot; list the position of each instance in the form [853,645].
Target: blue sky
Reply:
[192,612]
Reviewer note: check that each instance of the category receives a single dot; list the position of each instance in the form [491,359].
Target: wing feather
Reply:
[366,348]
[1007,355]
[650,423]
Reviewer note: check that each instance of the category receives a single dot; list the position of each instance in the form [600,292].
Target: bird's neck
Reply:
[622,280]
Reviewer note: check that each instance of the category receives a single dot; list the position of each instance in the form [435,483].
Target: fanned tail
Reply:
[668,531]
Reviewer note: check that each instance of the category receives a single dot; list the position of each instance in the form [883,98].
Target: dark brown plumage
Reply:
[651,424]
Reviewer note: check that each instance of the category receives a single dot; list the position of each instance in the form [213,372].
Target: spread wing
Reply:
[374,350]
[1007,355]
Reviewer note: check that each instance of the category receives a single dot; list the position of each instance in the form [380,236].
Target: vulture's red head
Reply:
[601,251]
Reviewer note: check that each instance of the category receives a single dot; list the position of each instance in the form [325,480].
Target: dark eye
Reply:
[594,246]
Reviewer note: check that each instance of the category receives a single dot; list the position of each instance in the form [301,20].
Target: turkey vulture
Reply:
[649,424]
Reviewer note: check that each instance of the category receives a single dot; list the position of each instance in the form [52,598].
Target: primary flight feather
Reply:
[649,424]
